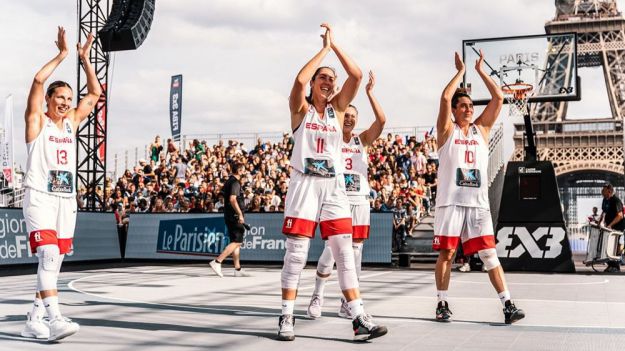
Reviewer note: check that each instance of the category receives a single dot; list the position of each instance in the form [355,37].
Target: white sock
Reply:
[356,307]
[503,297]
[38,311]
[320,285]
[441,295]
[52,306]
[288,306]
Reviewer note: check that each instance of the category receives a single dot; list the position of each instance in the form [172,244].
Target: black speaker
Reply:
[128,25]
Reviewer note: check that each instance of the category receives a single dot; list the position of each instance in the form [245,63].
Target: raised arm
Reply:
[94,90]
[444,125]
[354,76]
[297,100]
[36,95]
[489,116]
[370,135]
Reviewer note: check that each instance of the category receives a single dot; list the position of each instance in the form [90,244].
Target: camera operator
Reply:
[612,218]
[235,222]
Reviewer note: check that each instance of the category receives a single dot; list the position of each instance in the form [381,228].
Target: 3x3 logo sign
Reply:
[530,242]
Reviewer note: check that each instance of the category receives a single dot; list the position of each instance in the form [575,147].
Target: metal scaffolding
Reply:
[91,145]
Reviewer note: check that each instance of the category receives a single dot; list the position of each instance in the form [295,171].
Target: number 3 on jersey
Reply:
[320,145]
[61,157]
[348,163]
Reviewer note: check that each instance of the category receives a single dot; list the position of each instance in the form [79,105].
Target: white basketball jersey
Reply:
[356,162]
[318,140]
[51,165]
[463,170]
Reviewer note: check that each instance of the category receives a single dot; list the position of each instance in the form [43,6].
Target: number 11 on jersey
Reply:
[320,145]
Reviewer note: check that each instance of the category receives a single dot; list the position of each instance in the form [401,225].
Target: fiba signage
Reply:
[175,106]
[534,248]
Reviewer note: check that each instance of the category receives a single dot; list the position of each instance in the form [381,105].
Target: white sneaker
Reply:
[36,328]
[287,330]
[314,308]
[62,327]
[241,273]
[465,268]
[344,311]
[216,266]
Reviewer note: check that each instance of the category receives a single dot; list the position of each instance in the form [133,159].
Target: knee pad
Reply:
[489,258]
[49,265]
[358,257]
[326,261]
[294,261]
[341,246]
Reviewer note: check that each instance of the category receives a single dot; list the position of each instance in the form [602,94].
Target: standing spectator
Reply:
[612,218]
[431,180]
[155,149]
[399,225]
[235,222]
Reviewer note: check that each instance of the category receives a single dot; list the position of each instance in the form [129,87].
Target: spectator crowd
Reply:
[402,178]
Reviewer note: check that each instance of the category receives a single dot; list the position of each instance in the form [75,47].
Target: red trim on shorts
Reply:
[360,232]
[65,245]
[335,227]
[299,226]
[441,242]
[42,237]
[474,245]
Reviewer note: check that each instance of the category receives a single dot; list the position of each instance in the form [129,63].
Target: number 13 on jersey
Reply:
[61,157]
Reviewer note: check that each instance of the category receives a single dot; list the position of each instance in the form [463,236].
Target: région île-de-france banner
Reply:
[175,106]
[6,143]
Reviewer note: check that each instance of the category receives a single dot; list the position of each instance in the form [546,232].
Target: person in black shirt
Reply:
[233,216]
[612,218]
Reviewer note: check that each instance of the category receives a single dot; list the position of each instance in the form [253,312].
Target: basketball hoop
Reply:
[517,94]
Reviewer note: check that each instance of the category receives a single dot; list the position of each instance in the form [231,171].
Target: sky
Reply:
[239,59]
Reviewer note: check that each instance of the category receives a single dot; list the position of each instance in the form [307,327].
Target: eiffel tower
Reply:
[588,152]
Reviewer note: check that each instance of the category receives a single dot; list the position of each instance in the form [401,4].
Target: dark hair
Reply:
[57,84]
[309,97]
[457,95]
[235,166]
[354,107]
[608,186]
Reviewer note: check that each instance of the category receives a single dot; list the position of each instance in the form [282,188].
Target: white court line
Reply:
[340,321]
[605,281]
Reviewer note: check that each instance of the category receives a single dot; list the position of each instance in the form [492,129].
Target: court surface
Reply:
[185,307]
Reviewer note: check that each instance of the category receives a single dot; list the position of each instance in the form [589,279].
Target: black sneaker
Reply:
[365,329]
[511,313]
[443,313]
[286,331]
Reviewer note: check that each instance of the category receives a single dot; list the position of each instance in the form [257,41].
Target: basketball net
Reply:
[517,95]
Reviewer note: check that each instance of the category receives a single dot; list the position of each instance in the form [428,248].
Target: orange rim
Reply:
[518,90]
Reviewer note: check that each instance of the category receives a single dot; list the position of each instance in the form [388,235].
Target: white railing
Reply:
[495,155]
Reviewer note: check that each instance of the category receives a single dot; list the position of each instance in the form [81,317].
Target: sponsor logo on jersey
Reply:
[320,127]
[466,142]
[356,140]
[289,223]
[37,236]
[330,112]
[349,150]
[63,140]
[68,128]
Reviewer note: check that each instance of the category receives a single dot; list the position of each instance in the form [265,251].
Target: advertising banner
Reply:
[95,239]
[197,236]
[175,107]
